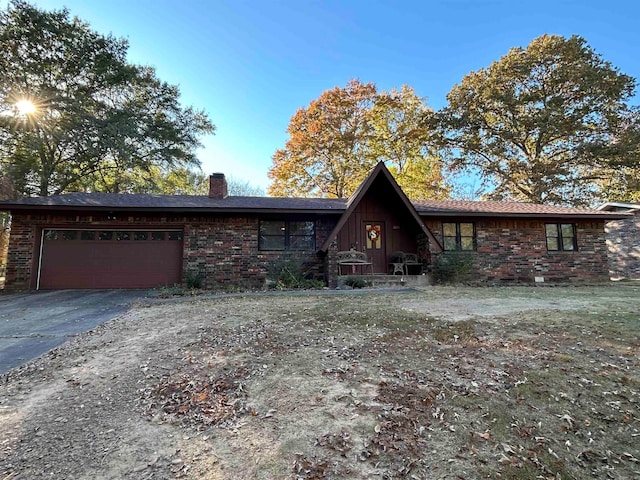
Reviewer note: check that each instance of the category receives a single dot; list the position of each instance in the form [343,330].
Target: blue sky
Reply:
[251,64]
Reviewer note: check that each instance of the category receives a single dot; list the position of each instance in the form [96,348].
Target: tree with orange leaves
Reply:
[336,141]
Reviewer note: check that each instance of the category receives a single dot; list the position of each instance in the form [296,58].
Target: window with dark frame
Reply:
[458,236]
[561,237]
[287,235]
[110,235]
[51,235]
[120,236]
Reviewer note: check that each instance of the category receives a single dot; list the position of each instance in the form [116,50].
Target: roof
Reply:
[178,203]
[619,207]
[439,208]
[204,204]
[381,171]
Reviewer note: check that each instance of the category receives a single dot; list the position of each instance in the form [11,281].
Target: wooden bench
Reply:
[353,259]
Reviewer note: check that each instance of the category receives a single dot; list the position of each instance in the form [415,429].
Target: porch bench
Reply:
[353,258]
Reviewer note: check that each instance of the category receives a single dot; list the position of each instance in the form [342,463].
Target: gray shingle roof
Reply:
[489,208]
[104,201]
[202,203]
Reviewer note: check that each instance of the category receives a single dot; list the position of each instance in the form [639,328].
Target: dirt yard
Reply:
[455,383]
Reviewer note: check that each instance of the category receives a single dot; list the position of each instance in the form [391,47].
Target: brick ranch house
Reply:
[101,240]
[623,241]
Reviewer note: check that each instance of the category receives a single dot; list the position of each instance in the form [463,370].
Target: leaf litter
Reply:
[411,385]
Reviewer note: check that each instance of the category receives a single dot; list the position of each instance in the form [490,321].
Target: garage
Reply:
[73,258]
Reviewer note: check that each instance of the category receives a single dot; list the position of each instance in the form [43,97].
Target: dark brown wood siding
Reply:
[383,206]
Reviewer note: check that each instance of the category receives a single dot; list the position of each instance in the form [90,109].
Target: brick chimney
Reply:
[217,186]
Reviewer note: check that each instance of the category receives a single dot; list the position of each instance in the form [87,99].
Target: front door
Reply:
[375,241]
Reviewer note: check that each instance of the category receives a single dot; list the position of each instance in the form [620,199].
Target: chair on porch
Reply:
[402,262]
[396,265]
[411,261]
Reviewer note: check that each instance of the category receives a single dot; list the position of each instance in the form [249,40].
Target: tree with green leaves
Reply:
[73,111]
[243,188]
[542,124]
[620,180]
[176,181]
[335,142]
[151,179]
[6,192]
[621,184]
[401,141]
[6,188]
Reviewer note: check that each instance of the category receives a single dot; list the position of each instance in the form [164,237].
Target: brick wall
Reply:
[623,243]
[223,249]
[514,251]
[224,252]
[20,254]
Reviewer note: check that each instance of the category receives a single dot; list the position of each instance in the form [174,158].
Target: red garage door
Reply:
[109,258]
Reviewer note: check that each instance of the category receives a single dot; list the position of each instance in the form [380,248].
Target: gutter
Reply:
[595,215]
[103,208]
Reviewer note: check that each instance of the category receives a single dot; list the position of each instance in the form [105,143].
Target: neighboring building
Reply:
[100,240]
[623,240]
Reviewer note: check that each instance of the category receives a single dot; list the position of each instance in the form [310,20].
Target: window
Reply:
[561,237]
[123,236]
[287,235]
[51,235]
[459,236]
[111,235]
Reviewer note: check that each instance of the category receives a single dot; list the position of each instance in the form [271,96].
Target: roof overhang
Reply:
[176,210]
[586,216]
[379,170]
[612,206]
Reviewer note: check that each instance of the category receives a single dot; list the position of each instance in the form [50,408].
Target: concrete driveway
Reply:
[33,323]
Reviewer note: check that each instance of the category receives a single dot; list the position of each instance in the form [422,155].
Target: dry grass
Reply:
[521,383]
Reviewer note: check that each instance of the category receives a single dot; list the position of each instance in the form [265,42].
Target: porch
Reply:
[381,280]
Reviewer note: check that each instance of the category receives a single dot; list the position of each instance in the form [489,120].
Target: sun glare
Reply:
[25,107]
